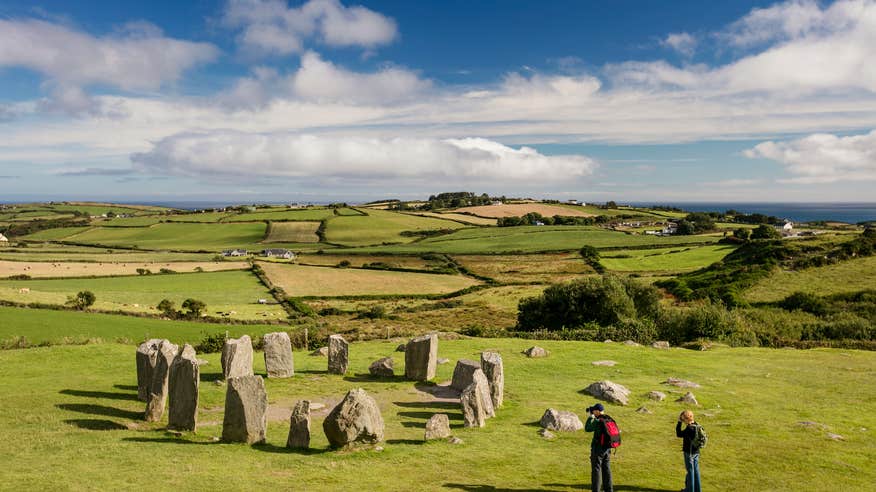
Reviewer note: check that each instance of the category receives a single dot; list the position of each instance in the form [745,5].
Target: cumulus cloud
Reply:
[822,157]
[312,156]
[271,26]
[681,42]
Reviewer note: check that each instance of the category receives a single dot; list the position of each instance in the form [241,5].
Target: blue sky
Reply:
[254,100]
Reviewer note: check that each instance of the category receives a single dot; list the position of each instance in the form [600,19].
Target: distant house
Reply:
[3,239]
[669,229]
[496,202]
[788,229]
[235,252]
[573,202]
[278,253]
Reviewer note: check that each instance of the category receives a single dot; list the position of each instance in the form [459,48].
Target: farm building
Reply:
[278,253]
[235,252]
[3,239]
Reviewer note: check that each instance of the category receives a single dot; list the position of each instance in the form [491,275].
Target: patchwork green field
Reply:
[192,237]
[38,269]
[198,217]
[239,294]
[544,268]
[299,281]
[308,214]
[380,226]
[664,260]
[465,218]
[532,239]
[143,221]
[848,276]
[78,407]
[293,232]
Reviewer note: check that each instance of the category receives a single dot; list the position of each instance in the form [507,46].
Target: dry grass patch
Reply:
[298,280]
[526,268]
[395,261]
[468,219]
[519,209]
[42,269]
[293,232]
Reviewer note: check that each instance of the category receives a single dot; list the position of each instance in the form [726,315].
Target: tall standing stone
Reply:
[299,426]
[278,355]
[157,398]
[463,374]
[421,358]
[491,364]
[338,355]
[245,405]
[472,402]
[147,356]
[185,375]
[437,427]
[237,357]
[356,419]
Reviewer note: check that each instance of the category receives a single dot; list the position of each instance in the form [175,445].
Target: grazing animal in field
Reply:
[23,290]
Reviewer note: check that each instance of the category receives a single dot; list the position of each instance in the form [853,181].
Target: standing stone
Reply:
[185,375]
[608,391]
[421,358]
[245,404]
[237,357]
[472,402]
[356,419]
[147,356]
[278,355]
[437,427]
[463,374]
[299,426]
[491,364]
[157,398]
[560,420]
[382,368]
[338,355]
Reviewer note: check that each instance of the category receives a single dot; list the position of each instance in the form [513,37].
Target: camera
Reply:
[589,410]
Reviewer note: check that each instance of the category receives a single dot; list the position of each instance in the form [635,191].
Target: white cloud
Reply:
[681,42]
[270,26]
[136,58]
[224,153]
[823,158]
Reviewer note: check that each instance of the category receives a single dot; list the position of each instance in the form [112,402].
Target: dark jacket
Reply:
[597,427]
[688,435]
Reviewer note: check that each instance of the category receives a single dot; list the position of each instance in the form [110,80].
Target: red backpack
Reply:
[611,438]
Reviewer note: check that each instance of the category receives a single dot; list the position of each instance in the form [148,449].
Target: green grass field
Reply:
[299,280]
[678,259]
[380,226]
[198,217]
[531,239]
[848,276]
[308,214]
[293,232]
[57,234]
[70,420]
[240,292]
[191,237]
[143,221]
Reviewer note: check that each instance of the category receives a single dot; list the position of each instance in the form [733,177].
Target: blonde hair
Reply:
[687,416]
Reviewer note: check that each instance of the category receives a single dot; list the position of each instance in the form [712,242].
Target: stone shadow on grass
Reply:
[448,405]
[168,440]
[368,378]
[630,488]
[95,424]
[100,394]
[129,387]
[273,448]
[487,488]
[416,442]
[100,410]
[311,371]
[212,376]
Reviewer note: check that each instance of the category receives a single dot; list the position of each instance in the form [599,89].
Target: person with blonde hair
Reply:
[693,439]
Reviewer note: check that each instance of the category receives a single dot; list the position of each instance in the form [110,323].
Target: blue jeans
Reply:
[692,479]
[600,470]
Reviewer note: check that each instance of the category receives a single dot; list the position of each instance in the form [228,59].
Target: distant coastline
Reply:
[851,213]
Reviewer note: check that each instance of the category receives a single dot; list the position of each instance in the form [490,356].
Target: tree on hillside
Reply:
[83,300]
[742,233]
[764,231]
[167,308]
[194,307]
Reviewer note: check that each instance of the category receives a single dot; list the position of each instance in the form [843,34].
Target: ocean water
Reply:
[797,212]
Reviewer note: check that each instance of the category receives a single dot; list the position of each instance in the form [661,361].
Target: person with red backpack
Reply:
[606,437]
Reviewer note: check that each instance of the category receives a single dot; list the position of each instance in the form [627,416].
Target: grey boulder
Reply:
[535,351]
[355,420]
[560,420]
[437,427]
[246,403]
[689,398]
[609,391]
[382,368]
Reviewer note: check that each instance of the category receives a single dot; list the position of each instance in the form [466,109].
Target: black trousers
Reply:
[600,470]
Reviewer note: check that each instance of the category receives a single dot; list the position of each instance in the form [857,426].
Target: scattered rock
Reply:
[631,343]
[278,355]
[607,340]
[660,345]
[437,427]
[421,357]
[535,351]
[246,403]
[218,382]
[157,397]
[316,405]
[681,383]
[606,363]
[546,434]
[835,437]
[338,355]
[299,426]
[237,357]
[443,360]
[320,352]
[183,386]
[656,395]
[609,391]
[560,420]
[401,347]
[147,356]
[494,369]
[356,419]
[378,449]
[455,440]
[644,410]
[689,398]
[701,345]
[382,368]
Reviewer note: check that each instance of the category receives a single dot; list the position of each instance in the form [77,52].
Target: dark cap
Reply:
[598,406]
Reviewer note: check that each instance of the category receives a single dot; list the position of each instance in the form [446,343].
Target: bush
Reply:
[803,301]
[704,320]
[343,264]
[374,312]
[83,300]
[211,343]
[330,311]
[194,307]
